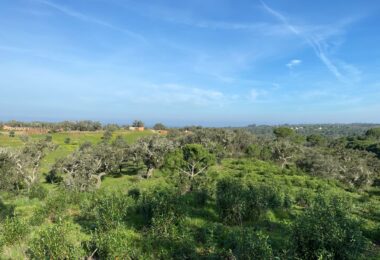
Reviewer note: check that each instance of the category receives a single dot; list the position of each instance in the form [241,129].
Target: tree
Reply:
[152,151]
[316,140]
[84,168]
[21,167]
[285,152]
[138,123]
[283,132]
[10,179]
[373,132]
[107,136]
[159,126]
[191,161]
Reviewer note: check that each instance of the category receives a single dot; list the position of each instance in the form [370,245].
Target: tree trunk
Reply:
[149,172]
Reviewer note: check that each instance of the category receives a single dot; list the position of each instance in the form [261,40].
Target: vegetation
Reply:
[193,193]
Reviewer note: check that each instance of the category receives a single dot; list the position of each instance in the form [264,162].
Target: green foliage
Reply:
[159,126]
[67,140]
[12,134]
[57,241]
[117,243]
[49,138]
[160,205]
[230,201]
[55,207]
[190,162]
[53,177]
[38,191]
[138,123]
[325,231]
[239,208]
[283,132]
[109,210]
[237,202]
[373,132]
[13,230]
[247,244]
[316,140]
[107,136]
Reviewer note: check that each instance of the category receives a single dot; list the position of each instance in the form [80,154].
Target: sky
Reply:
[195,62]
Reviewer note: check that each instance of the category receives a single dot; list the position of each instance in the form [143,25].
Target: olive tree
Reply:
[83,170]
[190,161]
[20,167]
[285,152]
[152,151]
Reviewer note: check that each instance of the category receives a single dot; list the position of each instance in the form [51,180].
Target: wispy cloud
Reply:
[316,42]
[90,19]
[293,63]
[174,93]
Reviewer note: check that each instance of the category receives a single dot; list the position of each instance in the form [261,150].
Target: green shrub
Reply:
[236,202]
[13,230]
[248,244]
[53,177]
[111,210]
[200,197]
[118,243]
[260,198]
[67,140]
[134,193]
[54,209]
[38,191]
[325,231]
[12,134]
[230,200]
[159,204]
[57,241]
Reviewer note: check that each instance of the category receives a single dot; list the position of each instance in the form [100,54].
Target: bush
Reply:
[326,231]
[49,138]
[13,230]
[12,134]
[236,202]
[67,140]
[38,191]
[134,193]
[248,244]
[260,198]
[57,241]
[54,208]
[53,177]
[200,197]
[230,201]
[158,205]
[110,210]
[118,243]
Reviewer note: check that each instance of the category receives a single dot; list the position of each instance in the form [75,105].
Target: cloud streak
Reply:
[89,19]
[314,42]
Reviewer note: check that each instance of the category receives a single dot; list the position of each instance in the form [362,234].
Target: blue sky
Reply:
[209,62]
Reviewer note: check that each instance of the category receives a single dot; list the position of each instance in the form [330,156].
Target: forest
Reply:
[84,190]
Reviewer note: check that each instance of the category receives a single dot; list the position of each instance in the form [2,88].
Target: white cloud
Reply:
[293,63]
